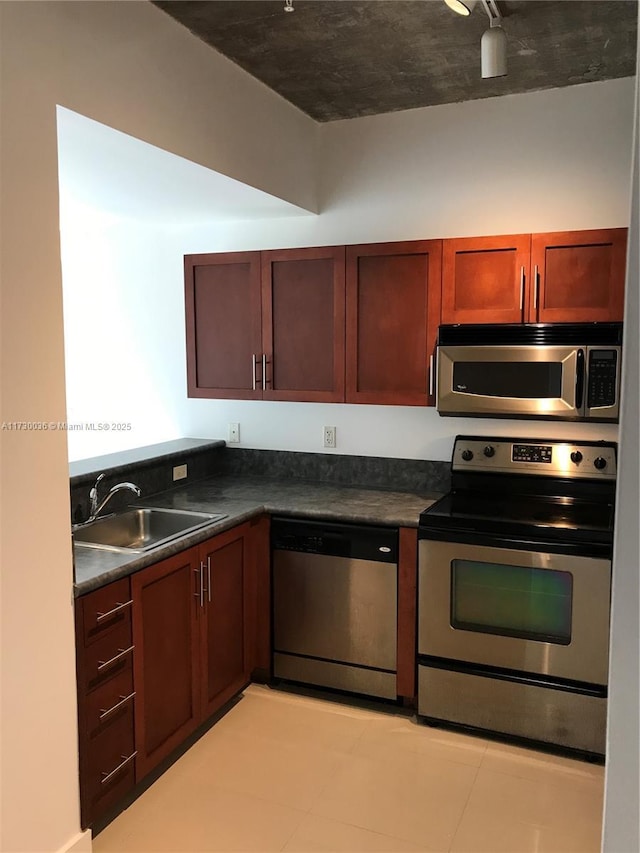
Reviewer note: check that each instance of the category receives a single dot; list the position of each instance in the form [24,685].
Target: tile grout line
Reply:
[466,803]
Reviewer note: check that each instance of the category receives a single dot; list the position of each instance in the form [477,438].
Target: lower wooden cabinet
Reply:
[106,697]
[189,628]
[157,654]
[166,665]
[160,652]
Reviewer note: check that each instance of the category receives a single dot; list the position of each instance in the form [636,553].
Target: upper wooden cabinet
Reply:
[222,306]
[484,279]
[393,309]
[303,324]
[561,277]
[266,325]
[358,324]
[578,276]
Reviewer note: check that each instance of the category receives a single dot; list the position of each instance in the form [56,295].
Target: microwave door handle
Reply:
[580,369]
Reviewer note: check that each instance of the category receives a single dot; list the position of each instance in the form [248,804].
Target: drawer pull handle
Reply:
[115,707]
[125,760]
[119,606]
[103,664]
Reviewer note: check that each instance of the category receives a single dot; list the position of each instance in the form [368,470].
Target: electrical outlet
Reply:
[329,436]
[179,472]
[234,433]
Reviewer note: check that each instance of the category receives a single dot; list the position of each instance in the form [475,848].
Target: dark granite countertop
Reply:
[242,498]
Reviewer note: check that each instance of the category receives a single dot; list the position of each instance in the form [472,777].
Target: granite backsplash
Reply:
[155,473]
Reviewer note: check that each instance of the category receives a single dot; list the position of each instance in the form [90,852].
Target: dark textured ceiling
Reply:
[337,59]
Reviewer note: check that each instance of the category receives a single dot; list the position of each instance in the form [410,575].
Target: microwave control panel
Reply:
[603,371]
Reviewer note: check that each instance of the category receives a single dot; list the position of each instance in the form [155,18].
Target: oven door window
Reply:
[512,601]
[532,380]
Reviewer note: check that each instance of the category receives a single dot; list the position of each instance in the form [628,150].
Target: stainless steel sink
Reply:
[141,528]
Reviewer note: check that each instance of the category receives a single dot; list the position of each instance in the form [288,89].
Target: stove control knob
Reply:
[600,463]
[489,451]
[576,457]
[467,455]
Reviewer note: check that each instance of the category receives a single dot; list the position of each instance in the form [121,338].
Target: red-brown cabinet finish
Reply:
[258,594]
[166,630]
[106,697]
[223,317]
[191,633]
[223,633]
[484,279]
[407,614]
[393,308]
[578,276]
[303,324]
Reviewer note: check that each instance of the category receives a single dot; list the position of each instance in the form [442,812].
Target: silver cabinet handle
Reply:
[253,367]
[535,287]
[431,376]
[264,371]
[201,585]
[521,288]
[103,664]
[209,576]
[196,594]
[119,606]
[123,700]
[125,760]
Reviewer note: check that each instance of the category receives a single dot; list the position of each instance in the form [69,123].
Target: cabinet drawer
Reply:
[109,767]
[105,705]
[107,657]
[105,610]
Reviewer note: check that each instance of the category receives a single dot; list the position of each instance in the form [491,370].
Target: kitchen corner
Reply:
[245,484]
[178,630]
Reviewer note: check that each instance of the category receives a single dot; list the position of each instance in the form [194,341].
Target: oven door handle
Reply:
[579,378]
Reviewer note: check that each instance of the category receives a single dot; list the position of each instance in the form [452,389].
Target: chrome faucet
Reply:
[96,508]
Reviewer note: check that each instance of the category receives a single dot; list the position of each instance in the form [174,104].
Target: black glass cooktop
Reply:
[540,517]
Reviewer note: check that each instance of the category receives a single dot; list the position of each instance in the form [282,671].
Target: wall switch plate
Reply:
[234,433]
[179,472]
[329,436]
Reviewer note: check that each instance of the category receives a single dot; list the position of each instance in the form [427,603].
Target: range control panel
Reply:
[573,459]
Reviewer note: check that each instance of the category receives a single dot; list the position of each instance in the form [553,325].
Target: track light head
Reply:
[493,52]
[462,7]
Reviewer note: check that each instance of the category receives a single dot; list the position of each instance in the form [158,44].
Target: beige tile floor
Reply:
[293,773]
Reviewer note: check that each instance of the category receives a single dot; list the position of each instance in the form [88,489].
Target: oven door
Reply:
[528,611]
[519,381]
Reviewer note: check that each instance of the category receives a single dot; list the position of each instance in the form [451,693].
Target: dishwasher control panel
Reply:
[362,542]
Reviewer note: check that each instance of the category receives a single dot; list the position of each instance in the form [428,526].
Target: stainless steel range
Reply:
[514,591]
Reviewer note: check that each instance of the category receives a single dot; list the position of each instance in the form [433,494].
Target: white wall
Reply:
[123,330]
[538,162]
[622,803]
[128,65]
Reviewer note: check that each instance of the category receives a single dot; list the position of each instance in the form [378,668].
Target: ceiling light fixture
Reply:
[462,7]
[288,6]
[493,45]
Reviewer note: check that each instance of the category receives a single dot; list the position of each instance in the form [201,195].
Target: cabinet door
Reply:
[166,636]
[578,276]
[484,279]
[393,306]
[223,315]
[223,640]
[303,324]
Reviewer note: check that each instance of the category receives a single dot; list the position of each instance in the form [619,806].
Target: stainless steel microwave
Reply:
[562,371]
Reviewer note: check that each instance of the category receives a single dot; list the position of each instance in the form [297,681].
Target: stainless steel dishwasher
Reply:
[335,594]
